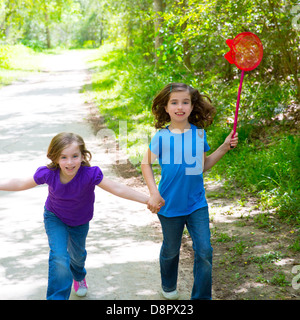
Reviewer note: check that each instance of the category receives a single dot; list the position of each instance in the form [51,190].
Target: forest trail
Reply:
[123,242]
[253,258]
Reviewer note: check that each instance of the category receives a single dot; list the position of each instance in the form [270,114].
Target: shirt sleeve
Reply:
[154,144]
[97,176]
[41,175]
[206,146]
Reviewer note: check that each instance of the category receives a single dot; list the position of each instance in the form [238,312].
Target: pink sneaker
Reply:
[80,288]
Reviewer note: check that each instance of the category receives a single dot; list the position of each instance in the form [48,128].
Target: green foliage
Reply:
[192,38]
[44,24]
[296,245]
[4,57]
[11,56]
[268,170]
[269,257]
[223,237]
[16,62]
[279,279]
[266,162]
[188,46]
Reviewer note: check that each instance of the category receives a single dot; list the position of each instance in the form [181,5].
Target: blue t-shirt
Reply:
[180,156]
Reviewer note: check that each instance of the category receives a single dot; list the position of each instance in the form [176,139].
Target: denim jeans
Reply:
[198,226]
[67,255]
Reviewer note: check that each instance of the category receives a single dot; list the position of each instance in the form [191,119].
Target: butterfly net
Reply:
[247,51]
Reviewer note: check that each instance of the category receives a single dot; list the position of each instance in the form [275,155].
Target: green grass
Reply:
[18,61]
[269,257]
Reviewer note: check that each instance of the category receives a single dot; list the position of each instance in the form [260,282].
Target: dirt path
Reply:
[124,239]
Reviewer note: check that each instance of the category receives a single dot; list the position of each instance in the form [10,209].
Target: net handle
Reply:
[238,104]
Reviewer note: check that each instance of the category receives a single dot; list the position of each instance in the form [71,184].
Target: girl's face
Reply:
[179,106]
[70,161]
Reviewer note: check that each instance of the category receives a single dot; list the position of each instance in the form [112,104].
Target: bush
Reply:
[270,171]
[12,56]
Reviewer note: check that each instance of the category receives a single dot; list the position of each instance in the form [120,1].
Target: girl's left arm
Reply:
[212,159]
[122,191]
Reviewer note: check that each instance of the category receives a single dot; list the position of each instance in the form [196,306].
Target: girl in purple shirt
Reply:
[68,209]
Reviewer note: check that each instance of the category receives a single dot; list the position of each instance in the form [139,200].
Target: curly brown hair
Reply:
[203,110]
[62,141]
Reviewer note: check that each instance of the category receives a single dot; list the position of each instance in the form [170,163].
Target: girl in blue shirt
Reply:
[180,148]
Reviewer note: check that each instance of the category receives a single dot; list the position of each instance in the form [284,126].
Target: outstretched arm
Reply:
[17,184]
[155,201]
[212,159]
[122,191]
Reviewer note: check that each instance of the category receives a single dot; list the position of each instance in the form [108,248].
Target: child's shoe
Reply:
[80,288]
[173,295]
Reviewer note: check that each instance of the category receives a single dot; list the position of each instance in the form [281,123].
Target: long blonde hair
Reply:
[62,141]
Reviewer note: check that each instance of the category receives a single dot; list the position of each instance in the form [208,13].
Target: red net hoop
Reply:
[246,51]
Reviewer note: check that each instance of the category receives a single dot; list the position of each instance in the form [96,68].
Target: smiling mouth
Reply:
[180,113]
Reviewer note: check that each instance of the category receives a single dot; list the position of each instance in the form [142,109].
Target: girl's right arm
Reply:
[156,201]
[17,184]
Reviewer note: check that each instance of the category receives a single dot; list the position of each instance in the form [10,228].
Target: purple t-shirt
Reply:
[73,202]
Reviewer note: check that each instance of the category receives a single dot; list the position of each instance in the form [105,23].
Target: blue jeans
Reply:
[198,226]
[67,255]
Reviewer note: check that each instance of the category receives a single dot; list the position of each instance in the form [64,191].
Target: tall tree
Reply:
[158,23]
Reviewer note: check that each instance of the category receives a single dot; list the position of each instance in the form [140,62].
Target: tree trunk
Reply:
[47,26]
[101,32]
[158,21]
[186,45]
[298,89]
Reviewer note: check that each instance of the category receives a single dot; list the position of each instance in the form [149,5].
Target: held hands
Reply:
[155,203]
